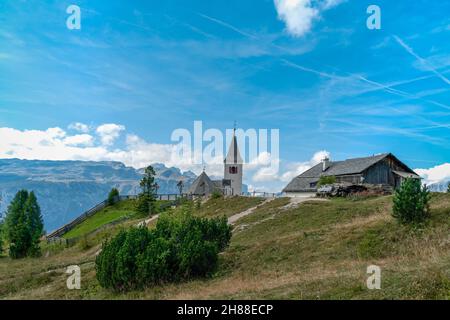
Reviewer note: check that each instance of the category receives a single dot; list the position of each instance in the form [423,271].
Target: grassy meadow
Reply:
[316,250]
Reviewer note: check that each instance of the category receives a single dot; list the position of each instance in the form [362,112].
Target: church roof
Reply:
[202,185]
[234,156]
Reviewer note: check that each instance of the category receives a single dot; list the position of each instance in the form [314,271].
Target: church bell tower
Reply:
[233,165]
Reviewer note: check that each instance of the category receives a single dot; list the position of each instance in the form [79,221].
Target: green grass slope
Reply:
[123,209]
[316,250]
[227,206]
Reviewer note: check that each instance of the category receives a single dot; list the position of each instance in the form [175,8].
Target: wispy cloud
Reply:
[376,85]
[227,25]
[423,61]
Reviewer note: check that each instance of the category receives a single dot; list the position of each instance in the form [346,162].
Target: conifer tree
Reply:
[113,196]
[146,200]
[35,223]
[24,225]
[411,202]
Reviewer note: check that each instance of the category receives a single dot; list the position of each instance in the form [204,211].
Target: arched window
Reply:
[233,170]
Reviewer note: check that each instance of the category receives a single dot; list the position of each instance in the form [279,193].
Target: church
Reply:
[231,184]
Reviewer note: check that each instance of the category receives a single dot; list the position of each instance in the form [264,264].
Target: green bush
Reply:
[324,180]
[216,194]
[411,202]
[181,247]
[112,196]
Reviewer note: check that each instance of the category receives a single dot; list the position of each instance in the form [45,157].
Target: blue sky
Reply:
[154,66]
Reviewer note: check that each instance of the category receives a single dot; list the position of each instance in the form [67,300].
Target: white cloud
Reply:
[299,15]
[79,140]
[78,126]
[55,132]
[57,144]
[294,169]
[435,174]
[265,174]
[332,3]
[109,133]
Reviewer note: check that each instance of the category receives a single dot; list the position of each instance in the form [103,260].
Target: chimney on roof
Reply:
[325,163]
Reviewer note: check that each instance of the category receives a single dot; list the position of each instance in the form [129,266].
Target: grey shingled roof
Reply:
[203,185]
[336,168]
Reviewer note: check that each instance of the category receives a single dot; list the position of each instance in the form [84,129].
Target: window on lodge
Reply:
[233,170]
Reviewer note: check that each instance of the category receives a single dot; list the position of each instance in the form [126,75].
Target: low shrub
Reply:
[411,202]
[181,247]
[325,180]
[216,194]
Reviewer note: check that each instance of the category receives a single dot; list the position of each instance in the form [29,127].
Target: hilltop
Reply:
[281,250]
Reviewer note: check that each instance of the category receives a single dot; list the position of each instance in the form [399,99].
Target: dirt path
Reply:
[294,202]
[236,217]
[147,221]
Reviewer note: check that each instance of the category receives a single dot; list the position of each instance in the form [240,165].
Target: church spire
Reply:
[233,155]
[233,167]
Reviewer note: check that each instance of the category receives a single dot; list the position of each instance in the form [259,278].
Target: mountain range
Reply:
[440,186]
[65,189]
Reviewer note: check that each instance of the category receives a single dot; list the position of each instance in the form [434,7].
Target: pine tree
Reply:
[180,186]
[35,224]
[112,196]
[411,202]
[16,226]
[448,187]
[146,200]
[24,225]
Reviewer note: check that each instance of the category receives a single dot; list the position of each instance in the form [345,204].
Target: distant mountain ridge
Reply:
[65,189]
[440,186]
